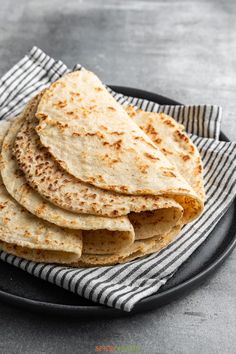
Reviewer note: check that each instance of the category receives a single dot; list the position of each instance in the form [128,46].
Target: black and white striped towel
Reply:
[122,286]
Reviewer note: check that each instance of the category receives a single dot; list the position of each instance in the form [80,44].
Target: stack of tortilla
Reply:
[88,182]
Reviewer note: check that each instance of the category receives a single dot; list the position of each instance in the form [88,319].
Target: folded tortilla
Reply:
[138,249]
[91,137]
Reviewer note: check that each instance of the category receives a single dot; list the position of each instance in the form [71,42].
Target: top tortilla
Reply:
[91,136]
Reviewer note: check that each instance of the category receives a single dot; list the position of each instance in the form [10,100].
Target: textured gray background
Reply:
[182,49]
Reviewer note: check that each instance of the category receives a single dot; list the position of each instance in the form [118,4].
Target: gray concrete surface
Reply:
[182,49]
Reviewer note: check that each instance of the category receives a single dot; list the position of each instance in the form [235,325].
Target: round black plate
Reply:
[19,288]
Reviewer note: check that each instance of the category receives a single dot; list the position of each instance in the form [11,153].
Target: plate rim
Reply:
[168,294]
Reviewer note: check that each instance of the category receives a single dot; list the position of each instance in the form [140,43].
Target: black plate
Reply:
[19,288]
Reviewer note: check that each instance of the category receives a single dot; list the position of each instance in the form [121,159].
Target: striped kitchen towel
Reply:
[122,286]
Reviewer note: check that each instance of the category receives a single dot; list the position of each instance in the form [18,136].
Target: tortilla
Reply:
[138,249]
[97,142]
[91,136]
